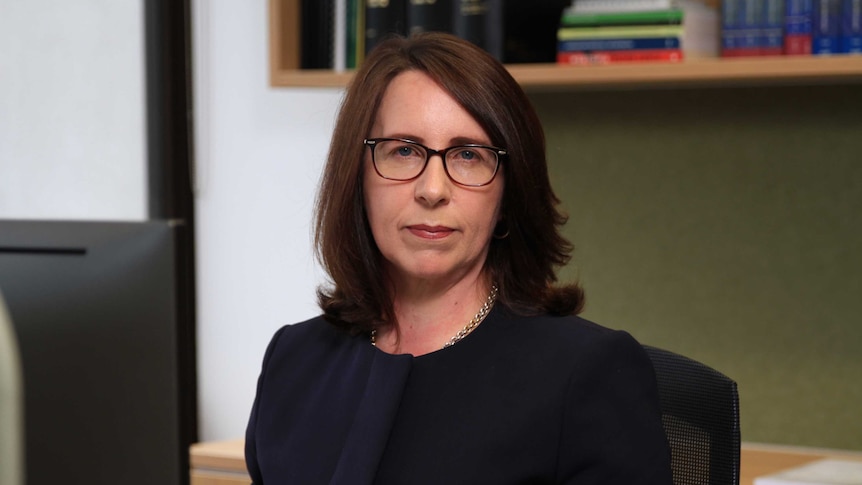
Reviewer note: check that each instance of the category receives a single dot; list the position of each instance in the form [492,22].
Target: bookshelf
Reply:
[807,70]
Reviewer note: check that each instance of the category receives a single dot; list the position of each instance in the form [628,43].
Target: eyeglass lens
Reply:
[467,165]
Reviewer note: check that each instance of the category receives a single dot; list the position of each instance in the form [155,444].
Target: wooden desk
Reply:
[757,460]
[218,463]
[222,462]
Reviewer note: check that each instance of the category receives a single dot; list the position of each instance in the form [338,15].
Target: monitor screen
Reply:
[94,308]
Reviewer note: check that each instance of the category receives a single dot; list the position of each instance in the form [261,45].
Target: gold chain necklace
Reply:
[471,325]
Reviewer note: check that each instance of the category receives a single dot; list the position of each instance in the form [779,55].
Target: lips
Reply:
[430,232]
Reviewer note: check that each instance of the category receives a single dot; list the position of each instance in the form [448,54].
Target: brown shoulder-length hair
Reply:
[523,264]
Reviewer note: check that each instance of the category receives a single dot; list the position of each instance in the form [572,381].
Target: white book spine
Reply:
[597,6]
[339,32]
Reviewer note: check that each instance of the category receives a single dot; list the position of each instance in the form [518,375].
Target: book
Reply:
[626,31]
[353,27]
[531,30]
[595,6]
[825,27]
[383,17]
[851,26]
[617,44]
[672,16]
[820,472]
[741,27]
[772,28]
[339,42]
[317,36]
[480,22]
[618,56]
[702,27]
[750,27]
[429,15]
[797,27]
[729,26]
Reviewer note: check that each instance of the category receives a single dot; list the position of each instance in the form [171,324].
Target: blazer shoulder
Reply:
[308,339]
[576,344]
[308,330]
[572,332]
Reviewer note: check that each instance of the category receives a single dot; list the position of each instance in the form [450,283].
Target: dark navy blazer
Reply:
[520,400]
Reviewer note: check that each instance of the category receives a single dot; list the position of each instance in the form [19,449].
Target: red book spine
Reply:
[608,57]
[797,44]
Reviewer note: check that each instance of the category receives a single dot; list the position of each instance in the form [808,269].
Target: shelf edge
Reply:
[764,70]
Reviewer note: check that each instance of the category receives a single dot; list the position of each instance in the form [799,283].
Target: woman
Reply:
[445,354]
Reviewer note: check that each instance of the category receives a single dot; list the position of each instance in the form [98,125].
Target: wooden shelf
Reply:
[702,72]
[711,72]
[714,72]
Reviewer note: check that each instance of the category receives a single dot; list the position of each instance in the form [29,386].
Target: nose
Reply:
[433,186]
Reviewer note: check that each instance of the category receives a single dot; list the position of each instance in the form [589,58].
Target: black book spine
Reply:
[429,15]
[480,22]
[316,36]
[383,17]
[531,30]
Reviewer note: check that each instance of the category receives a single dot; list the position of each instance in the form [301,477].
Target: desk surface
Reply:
[222,462]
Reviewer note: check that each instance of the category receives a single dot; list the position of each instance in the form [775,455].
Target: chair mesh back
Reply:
[700,413]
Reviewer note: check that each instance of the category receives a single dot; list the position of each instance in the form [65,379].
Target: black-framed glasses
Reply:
[400,159]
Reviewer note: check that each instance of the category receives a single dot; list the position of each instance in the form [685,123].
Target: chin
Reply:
[426,272]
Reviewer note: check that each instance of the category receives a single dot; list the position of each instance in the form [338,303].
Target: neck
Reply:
[428,318]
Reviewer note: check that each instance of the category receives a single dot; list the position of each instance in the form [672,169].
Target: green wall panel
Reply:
[725,224]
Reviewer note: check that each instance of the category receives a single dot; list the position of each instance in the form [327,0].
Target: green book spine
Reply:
[351,25]
[672,16]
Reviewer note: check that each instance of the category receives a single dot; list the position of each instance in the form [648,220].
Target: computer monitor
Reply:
[94,306]
[11,403]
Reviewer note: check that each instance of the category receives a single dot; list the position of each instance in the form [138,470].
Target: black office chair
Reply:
[700,414]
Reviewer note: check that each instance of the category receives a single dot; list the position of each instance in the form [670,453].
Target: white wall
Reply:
[73,146]
[72,113]
[259,155]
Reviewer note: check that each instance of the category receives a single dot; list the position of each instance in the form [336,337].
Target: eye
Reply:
[404,151]
[399,150]
[467,154]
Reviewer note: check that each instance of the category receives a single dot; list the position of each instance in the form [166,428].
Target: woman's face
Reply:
[429,229]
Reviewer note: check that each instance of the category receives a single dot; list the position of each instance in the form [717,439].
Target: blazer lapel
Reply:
[376,409]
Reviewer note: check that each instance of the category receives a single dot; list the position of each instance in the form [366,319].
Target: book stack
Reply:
[615,31]
[336,34]
[791,27]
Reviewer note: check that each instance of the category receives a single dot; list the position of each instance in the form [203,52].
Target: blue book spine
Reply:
[772,33]
[581,45]
[851,27]
[749,25]
[797,27]
[798,17]
[825,22]
[729,24]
